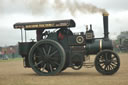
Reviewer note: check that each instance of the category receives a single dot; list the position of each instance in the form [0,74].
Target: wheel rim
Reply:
[107,62]
[47,57]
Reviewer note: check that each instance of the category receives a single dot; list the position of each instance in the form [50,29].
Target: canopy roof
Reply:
[45,24]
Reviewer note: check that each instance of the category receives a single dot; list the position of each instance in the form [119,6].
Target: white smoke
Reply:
[39,6]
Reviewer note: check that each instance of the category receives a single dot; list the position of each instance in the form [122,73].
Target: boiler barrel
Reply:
[98,45]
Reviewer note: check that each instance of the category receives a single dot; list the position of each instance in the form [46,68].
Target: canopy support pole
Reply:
[21,35]
[25,36]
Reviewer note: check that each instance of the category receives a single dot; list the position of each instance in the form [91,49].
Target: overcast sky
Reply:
[12,11]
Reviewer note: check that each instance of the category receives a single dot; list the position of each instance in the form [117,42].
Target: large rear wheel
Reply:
[107,62]
[47,57]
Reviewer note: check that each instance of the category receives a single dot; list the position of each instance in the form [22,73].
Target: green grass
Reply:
[11,59]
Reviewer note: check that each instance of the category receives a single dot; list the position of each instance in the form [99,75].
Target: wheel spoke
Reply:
[101,62]
[51,67]
[49,50]
[102,65]
[56,63]
[113,57]
[44,51]
[38,63]
[114,61]
[44,67]
[40,51]
[53,53]
[112,65]
[105,67]
[109,67]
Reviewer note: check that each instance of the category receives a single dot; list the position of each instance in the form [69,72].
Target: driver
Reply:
[39,34]
[63,32]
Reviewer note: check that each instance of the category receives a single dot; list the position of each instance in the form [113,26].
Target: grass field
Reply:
[12,72]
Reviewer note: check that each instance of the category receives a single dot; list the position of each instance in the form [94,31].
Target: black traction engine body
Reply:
[53,52]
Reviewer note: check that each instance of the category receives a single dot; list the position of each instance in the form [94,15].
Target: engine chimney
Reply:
[105,23]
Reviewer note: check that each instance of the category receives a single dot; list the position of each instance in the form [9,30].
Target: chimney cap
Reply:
[105,13]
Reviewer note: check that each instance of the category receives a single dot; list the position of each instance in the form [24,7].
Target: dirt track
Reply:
[13,73]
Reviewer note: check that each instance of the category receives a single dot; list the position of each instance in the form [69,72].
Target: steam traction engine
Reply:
[53,52]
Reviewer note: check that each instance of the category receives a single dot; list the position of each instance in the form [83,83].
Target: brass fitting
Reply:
[105,14]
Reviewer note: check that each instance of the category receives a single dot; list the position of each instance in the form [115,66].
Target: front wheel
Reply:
[107,62]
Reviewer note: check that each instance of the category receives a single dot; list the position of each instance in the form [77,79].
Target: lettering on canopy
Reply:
[45,25]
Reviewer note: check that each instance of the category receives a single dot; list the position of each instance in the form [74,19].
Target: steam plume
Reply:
[39,6]
[76,6]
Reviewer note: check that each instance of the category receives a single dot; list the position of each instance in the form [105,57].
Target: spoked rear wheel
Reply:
[107,62]
[47,57]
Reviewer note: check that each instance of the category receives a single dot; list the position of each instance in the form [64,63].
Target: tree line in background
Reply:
[9,52]
[121,44]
